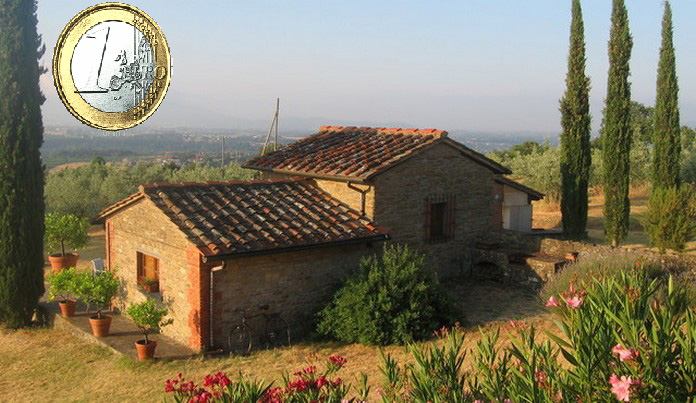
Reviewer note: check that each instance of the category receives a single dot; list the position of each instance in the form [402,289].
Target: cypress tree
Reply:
[616,131]
[21,173]
[667,140]
[576,155]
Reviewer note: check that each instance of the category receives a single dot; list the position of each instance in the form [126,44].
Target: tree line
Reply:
[617,136]
[86,190]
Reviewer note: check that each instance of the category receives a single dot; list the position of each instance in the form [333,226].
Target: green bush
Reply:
[148,316]
[670,221]
[391,299]
[63,285]
[65,230]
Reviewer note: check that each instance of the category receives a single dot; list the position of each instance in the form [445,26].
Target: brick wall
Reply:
[296,284]
[142,227]
[400,195]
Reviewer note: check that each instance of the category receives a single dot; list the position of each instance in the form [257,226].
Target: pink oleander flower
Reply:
[574,302]
[625,354]
[552,302]
[621,387]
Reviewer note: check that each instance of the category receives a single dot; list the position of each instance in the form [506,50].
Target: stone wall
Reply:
[400,195]
[351,195]
[142,227]
[295,284]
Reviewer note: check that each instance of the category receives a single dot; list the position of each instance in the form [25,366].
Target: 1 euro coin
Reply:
[112,66]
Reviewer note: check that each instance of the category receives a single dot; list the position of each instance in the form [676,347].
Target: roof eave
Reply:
[239,255]
[111,210]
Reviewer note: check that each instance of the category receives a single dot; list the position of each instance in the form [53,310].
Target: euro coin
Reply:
[112,66]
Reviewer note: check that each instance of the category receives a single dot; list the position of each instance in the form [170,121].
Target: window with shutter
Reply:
[148,267]
[439,218]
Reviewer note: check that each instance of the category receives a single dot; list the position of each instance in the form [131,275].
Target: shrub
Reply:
[391,299]
[65,230]
[148,316]
[97,289]
[63,285]
[670,221]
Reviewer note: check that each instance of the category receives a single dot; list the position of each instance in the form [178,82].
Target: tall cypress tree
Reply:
[576,156]
[21,173]
[667,132]
[616,130]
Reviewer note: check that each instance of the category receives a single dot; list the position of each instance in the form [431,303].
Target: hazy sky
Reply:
[477,65]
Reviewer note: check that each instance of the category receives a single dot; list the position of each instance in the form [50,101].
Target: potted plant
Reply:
[64,231]
[148,316]
[98,289]
[149,284]
[63,285]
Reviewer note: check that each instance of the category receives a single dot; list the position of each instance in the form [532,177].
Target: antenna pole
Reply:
[223,152]
[275,145]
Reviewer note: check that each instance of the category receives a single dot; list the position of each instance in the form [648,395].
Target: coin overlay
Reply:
[112,66]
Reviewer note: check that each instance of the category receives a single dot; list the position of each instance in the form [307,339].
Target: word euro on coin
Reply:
[111,66]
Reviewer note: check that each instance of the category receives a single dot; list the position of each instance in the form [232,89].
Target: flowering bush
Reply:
[622,339]
[307,385]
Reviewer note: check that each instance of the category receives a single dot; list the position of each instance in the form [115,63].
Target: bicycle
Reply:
[277,332]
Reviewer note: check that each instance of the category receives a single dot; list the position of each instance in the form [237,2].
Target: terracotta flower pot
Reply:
[67,308]
[59,262]
[100,327]
[145,351]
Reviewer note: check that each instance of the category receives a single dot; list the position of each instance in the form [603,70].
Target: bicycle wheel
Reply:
[277,332]
[239,340]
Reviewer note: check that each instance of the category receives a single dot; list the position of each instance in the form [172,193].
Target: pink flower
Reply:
[552,302]
[621,387]
[625,354]
[574,302]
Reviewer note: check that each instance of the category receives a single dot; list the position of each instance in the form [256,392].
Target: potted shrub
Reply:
[98,290]
[64,231]
[148,316]
[63,285]
[149,284]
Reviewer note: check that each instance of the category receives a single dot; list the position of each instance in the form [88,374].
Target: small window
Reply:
[439,223]
[148,269]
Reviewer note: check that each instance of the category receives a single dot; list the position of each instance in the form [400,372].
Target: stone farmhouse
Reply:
[333,197]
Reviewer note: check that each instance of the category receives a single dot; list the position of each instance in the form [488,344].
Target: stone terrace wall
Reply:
[144,228]
[400,195]
[295,284]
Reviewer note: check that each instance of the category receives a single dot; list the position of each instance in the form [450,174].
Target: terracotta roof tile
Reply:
[226,218]
[347,152]
[350,153]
